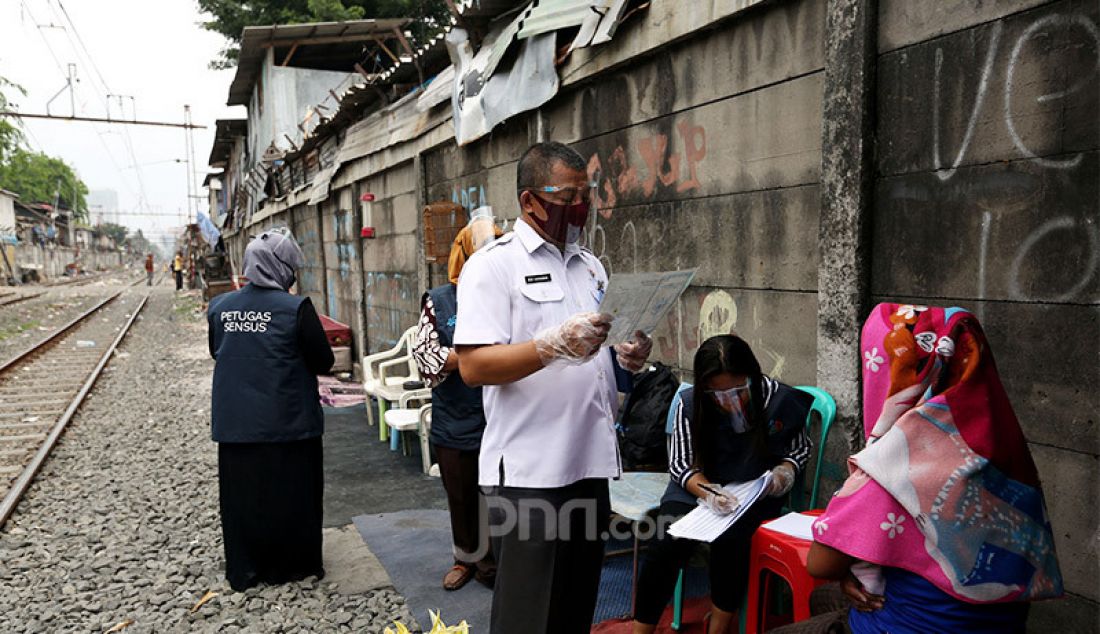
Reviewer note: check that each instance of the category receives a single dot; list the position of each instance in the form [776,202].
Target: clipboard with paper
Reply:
[639,301]
[704,525]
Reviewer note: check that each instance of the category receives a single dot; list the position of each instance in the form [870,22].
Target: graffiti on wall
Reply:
[392,306]
[635,169]
[718,315]
[1013,101]
[470,197]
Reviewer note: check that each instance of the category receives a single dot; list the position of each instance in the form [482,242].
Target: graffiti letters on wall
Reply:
[1026,67]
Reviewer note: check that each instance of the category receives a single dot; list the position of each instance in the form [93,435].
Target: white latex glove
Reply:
[575,341]
[720,504]
[633,354]
[782,480]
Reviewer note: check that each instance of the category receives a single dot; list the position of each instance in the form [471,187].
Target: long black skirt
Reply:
[271,498]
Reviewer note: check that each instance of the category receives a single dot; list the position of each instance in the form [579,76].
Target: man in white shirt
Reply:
[528,330]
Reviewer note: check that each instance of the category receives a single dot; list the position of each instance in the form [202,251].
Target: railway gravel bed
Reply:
[121,524]
[28,322]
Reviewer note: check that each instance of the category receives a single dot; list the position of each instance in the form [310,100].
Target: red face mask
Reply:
[564,223]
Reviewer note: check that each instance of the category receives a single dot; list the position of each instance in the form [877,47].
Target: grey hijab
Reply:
[271,259]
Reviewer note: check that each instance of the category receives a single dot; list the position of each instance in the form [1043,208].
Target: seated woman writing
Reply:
[735,424]
[941,526]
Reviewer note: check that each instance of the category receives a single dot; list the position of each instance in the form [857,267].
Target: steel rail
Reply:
[6,301]
[23,482]
[60,331]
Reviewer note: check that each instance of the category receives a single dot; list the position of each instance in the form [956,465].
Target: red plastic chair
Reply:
[785,557]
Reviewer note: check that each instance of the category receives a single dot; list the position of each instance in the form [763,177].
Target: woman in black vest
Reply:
[735,424]
[268,347]
[458,419]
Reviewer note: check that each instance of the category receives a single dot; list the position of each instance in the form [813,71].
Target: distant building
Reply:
[103,206]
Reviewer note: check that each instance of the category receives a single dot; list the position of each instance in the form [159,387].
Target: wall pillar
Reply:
[847,147]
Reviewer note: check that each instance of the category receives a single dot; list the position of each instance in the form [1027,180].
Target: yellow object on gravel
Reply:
[438,627]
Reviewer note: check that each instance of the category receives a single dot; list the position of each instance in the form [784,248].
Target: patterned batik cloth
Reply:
[946,487]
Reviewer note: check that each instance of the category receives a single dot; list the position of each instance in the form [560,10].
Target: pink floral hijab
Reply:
[946,487]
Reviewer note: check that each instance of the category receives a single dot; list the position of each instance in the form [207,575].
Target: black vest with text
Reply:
[263,391]
[458,418]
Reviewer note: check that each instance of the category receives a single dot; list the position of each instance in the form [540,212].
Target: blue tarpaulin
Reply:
[209,232]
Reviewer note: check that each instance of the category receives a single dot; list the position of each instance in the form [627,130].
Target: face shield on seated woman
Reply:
[272,258]
[480,231]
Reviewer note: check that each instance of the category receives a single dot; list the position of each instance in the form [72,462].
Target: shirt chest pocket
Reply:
[541,305]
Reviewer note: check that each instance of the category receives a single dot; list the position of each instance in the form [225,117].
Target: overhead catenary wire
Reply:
[76,42]
[57,62]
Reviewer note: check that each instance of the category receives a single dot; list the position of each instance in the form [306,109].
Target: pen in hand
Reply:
[719,501]
[710,489]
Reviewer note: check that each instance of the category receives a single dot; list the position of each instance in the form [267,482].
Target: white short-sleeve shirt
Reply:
[556,426]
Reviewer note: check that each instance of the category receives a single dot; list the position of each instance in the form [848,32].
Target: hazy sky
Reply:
[152,50]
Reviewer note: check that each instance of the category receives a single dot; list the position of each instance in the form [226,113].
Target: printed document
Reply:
[793,524]
[705,525]
[639,301]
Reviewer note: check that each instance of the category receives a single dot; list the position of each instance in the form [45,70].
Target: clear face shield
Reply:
[482,227]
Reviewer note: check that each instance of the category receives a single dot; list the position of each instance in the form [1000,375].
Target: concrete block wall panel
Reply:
[1073,514]
[342,258]
[765,139]
[391,296]
[1013,231]
[760,239]
[905,22]
[987,198]
[506,143]
[1019,88]
[749,51]
[311,277]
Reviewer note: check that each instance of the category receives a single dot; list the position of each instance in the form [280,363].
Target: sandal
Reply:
[457,577]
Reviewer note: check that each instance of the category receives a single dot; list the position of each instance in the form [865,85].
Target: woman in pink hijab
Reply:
[941,525]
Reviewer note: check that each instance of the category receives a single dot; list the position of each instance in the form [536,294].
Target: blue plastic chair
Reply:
[825,407]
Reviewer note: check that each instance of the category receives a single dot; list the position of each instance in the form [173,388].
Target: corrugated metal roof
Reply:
[226,131]
[551,15]
[256,40]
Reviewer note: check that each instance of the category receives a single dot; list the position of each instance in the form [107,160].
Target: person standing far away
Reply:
[149,269]
[177,269]
[529,332]
[458,418]
[268,347]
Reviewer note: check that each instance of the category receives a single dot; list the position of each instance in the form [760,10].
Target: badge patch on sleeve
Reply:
[537,279]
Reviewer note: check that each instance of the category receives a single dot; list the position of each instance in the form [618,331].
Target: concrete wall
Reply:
[811,157]
[391,260]
[986,197]
[50,262]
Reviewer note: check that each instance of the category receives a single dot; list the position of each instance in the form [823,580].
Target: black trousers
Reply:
[549,545]
[729,560]
[179,280]
[469,524]
[271,498]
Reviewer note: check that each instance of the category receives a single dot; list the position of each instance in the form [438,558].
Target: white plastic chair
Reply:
[374,381]
[406,417]
[425,433]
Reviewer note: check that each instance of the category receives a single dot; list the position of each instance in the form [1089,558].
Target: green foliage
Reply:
[229,17]
[37,177]
[10,134]
[111,230]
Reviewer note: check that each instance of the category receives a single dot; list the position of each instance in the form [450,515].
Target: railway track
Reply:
[42,387]
[11,298]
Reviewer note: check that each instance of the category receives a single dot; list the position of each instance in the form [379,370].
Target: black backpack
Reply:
[642,438]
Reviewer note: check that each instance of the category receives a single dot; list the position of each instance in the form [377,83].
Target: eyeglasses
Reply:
[568,194]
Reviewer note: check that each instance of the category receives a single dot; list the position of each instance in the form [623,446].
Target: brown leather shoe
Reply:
[457,577]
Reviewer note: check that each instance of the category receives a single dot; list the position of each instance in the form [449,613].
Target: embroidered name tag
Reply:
[537,279]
